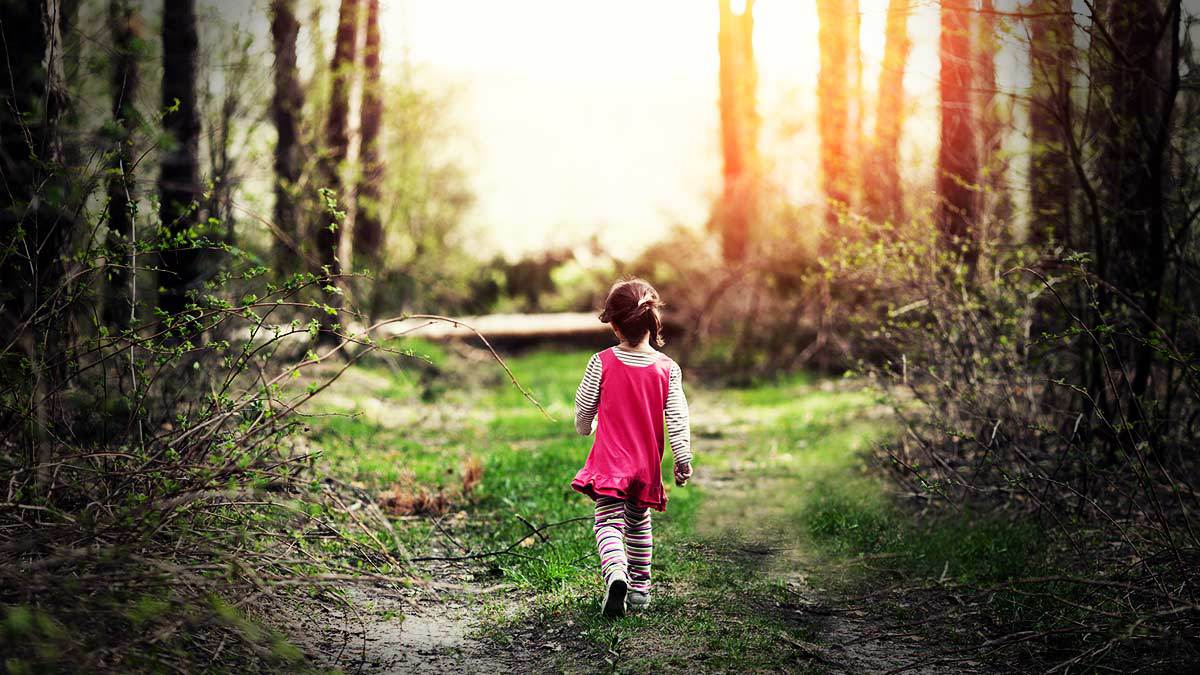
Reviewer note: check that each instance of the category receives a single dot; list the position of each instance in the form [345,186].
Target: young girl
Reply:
[627,391]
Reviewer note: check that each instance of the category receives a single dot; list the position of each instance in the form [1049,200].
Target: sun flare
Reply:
[612,106]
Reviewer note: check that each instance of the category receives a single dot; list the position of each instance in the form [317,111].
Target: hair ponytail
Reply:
[633,308]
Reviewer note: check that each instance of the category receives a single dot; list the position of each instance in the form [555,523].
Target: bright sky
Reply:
[579,117]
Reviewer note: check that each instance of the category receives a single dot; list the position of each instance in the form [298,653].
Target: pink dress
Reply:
[626,458]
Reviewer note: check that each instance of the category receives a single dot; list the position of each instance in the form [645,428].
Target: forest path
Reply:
[430,628]
[740,584]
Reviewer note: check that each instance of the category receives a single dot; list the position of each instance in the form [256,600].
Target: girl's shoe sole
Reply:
[614,599]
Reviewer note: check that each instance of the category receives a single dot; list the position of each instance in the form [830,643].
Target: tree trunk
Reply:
[881,187]
[37,224]
[332,242]
[286,109]
[855,143]
[74,76]
[337,130]
[54,242]
[179,180]
[1144,82]
[125,26]
[223,119]
[993,201]
[32,101]
[958,155]
[1051,46]
[368,226]
[835,93]
[56,81]
[739,130]
[985,46]
[1126,184]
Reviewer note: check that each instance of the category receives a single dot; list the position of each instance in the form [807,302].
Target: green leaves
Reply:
[329,204]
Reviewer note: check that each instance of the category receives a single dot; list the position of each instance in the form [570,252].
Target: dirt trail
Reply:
[849,638]
[745,507]
[435,628]
[429,628]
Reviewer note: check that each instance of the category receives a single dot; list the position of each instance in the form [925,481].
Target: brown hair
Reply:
[632,306]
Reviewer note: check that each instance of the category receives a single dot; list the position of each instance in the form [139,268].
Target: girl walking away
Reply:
[626,393]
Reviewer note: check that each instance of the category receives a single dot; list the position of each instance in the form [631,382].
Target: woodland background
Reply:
[1029,315]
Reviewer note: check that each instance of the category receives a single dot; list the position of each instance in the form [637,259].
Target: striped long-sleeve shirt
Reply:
[587,401]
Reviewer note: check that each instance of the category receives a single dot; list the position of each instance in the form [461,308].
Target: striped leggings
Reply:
[625,542]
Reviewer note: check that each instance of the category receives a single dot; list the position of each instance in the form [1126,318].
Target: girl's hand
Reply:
[682,473]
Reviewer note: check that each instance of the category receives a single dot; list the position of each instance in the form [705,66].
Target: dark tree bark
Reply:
[739,130]
[333,242]
[57,99]
[37,224]
[837,20]
[1143,79]
[337,133]
[74,75]
[125,26]
[1097,126]
[1051,50]
[179,180]
[958,155]
[368,226]
[881,187]
[286,108]
[1128,179]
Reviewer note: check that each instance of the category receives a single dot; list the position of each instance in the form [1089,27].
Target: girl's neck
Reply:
[643,346]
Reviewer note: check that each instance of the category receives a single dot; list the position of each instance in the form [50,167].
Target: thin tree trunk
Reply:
[993,201]
[51,328]
[222,162]
[1092,233]
[858,100]
[179,181]
[73,78]
[37,225]
[881,191]
[985,47]
[56,80]
[368,226]
[337,129]
[739,130]
[286,108]
[1051,46]
[125,27]
[332,243]
[958,155]
[835,114]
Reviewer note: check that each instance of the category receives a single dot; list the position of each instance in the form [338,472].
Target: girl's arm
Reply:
[587,396]
[679,429]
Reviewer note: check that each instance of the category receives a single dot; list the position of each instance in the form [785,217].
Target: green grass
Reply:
[362,451]
[782,464]
[961,548]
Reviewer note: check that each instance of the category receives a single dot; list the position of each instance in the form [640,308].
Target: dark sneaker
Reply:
[614,597]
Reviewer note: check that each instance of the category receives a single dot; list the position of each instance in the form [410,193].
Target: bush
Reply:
[156,485]
[992,369]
